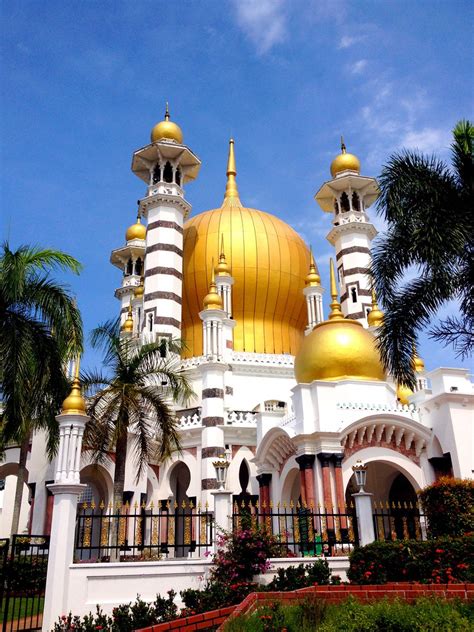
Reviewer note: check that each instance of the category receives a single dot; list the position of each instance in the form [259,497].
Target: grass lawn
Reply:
[313,615]
[19,608]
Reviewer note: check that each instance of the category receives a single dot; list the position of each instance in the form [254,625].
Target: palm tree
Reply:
[131,404]
[428,207]
[40,329]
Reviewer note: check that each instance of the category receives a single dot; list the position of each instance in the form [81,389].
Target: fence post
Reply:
[365,521]
[66,489]
[222,511]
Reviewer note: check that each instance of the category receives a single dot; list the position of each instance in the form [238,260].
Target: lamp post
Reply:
[222,504]
[363,505]
[221,468]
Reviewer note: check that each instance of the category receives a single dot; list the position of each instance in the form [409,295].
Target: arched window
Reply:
[345,206]
[354,294]
[355,202]
[150,322]
[129,266]
[336,207]
[178,176]
[156,174]
[244,476]
[168,172]
[138,266]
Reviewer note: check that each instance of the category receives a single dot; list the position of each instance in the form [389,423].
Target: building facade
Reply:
[291,392]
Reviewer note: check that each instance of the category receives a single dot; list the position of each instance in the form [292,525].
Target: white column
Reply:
[365,520]
[222,511]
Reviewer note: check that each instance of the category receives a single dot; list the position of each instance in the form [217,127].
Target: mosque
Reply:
[290,391]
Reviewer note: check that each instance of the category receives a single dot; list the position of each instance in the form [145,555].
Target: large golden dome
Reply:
[338,348]
[268,261]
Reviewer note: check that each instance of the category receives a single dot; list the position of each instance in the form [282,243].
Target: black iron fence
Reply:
[399,520]
[23,565]
[301,529]
[130,533]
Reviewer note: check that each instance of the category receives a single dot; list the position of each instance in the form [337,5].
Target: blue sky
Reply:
[84,82]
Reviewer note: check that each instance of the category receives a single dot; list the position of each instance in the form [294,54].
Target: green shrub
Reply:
[294,577]
[448,505]
[443,560]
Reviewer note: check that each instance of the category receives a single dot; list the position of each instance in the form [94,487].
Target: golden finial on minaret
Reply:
[74,403]
[231,190]
[375,317]
[167,129]
[167,112]
[336,313]
[343,145]
[312,279]
[418,363]
[212,300]
[222,268]
[127,327]
[344,161]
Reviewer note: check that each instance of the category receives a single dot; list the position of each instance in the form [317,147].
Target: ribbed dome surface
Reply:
[269,262]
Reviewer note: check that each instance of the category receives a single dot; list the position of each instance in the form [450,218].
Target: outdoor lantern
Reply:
[360,471]
[221,467]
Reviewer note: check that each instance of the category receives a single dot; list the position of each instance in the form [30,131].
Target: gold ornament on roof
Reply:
[312,279]
[403,393]
[344,162]
[139,289]
[127,327]
[418,363]
[222,268]
[375,317]
[212,300]
[74,403]
[231,191]
[167,130]
[136,231]
[338,348]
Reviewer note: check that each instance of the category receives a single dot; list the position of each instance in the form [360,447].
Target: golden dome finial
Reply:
[231,191]
[418,363]
[222,268]
[167,130]
[137,230]
[344,162]
[336,313]
[127,327]
[212,300]
[139,289]
[312,279]
[375,317]
[74,403]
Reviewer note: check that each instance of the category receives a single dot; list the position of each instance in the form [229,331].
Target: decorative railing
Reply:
[129,533]
[301,529]
[189,418]
[398,521]
[270,359]
[241,417]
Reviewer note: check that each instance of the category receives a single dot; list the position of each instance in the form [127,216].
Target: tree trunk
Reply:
[20,482]
[119,473]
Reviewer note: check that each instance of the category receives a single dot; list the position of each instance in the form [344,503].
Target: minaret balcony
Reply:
[165,188]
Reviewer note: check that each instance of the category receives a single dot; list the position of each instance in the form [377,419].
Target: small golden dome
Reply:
[375,317]
[74,403]
[222,268]
[167,129]
[312,279]
[403,393]
[212,300]
[344,162]
[338,348]
[139,290]
[136,231]
[127,326]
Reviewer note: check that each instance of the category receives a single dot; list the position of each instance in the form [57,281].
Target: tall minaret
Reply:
[347,196]
[130,259]
[165,165]
[314,296]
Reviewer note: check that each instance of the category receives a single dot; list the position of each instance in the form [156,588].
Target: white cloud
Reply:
[357,67]
[347,41]
[263,21]
[427,140]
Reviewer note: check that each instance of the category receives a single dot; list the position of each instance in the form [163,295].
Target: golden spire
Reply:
[343,145]
[375,317]
[312,279]
[127,327]
[74,403]
[167,112]
[231,191]
[222,268]
[212,300]
[336,313]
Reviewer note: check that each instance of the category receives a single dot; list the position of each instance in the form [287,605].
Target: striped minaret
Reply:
[314,296]
[165,165]
[347,196]
[213,388]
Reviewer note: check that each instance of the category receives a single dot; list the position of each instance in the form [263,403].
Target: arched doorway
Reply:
[180,479]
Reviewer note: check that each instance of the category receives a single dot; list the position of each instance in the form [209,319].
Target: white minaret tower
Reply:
[347,196]
[314,296]
[130,259]
[224,282]
[165,165]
